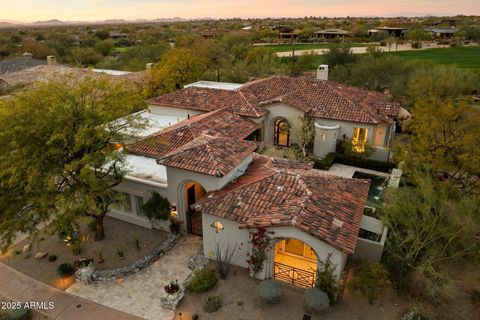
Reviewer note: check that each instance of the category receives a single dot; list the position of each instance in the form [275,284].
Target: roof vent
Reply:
[337,223]
[280,188]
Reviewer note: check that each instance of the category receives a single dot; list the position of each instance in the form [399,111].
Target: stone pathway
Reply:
[140,294]
[16,286]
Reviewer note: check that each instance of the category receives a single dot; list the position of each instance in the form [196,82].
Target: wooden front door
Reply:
[194,218]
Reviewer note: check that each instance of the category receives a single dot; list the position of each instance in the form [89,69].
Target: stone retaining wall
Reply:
[89,274]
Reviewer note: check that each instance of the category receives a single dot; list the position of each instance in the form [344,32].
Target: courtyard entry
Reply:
[193,191]
[282,133]
[295,262]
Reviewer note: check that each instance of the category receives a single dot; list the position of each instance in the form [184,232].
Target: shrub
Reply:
[65,270]
[17,252]
[315,300]
[92,225]
[172,287]
[19,314]
[174,226]
[269,291]
[416,45]
[383,43]
[52,258]
[120,253]
[157,207]
[326,280]
[202,281]
[412,315]
[325,163]
[212,304]
[371,280]
[331,158]
[195,316]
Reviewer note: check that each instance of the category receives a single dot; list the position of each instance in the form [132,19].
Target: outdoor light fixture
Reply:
[217,225]
[173,210]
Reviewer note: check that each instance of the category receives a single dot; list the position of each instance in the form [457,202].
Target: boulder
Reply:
[40,255]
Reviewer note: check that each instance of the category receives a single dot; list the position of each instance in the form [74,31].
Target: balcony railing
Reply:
[294,275]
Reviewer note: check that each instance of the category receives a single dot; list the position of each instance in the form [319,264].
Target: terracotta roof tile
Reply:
[321,99]
[327,207]
[215,156]
[215,123]
[208,99]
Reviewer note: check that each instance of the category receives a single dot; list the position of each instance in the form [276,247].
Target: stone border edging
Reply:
[89,274]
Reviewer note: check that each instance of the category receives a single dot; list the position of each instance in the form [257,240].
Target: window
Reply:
[282,133]
[139,204]
[127,204]
[359,139]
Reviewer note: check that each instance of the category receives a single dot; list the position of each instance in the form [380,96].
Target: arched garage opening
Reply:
[295,262]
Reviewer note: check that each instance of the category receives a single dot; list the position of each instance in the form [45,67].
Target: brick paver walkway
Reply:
[16,286]
[140,293]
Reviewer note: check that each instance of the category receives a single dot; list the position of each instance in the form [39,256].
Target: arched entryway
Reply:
[295,262]
[281,132]
[192,191]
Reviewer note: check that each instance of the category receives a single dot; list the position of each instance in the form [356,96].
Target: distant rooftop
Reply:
[112,72]
[215,85]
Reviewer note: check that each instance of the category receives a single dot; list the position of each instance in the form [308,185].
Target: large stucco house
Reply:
[200,151]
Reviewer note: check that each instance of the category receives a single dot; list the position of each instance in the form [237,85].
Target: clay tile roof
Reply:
[220,123]
[215,156]
[208,99]
[327,207]
[323,99]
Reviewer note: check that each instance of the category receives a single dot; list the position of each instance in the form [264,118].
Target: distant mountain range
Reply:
[56,22]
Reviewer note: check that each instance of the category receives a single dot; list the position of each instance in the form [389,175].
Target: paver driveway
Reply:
[140,294]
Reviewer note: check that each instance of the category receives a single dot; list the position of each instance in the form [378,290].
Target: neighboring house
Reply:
[331,33]
[392,31]
[19,63]
[439,32]
[199,153]
[42,73]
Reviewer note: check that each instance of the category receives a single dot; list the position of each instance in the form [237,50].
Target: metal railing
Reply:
[294,275]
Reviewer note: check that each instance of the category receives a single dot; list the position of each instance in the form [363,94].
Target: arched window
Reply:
[282,133]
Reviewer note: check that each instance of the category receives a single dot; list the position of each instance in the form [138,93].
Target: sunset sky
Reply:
[33,10]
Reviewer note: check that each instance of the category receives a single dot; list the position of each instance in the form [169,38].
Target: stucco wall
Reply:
[280,110]
[144,190]
[174,112]
[240,237]
[177,177]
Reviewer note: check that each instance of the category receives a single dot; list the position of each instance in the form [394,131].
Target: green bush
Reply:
[52,258]
[202,281]
[412,315]
[326,163]
[157,207]
[316,301]
[416,45]
[65,270]
[371,280]
[212,304]
[16,314]
[269,291]
[326,280]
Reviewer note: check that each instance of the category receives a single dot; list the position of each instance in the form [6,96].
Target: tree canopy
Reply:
[57,161]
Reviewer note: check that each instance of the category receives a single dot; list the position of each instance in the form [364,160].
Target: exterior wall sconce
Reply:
[173,211]
[217,225]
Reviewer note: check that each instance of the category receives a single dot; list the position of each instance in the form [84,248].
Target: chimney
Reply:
[149,65]
[27,54]
[322,72]
[51,60]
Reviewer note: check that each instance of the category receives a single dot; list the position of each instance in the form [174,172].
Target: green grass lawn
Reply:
[463,57]
[309,46]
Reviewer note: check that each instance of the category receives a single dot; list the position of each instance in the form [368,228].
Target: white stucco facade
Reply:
[233,236]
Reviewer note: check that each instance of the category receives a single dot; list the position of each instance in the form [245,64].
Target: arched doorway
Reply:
[281,133]
[192,191]
[295,262]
